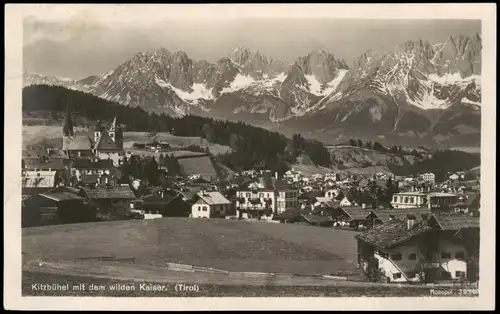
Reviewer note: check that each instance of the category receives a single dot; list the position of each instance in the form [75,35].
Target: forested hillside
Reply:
[440,163]
[251,145]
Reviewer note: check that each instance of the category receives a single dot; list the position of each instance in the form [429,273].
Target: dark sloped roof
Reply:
[82,163]
[385,215]
[456,221]
[104,142]
[118,192]
[290,214]
[472,201]
[61,196]
[37,163]
[355,213]
[317,219]
[392,233]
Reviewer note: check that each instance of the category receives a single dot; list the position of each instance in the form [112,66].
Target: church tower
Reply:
[112,130]
[68,124]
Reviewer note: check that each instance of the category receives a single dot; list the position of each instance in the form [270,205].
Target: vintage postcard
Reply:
[267,156]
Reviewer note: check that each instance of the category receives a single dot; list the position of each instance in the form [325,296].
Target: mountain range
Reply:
[417,93]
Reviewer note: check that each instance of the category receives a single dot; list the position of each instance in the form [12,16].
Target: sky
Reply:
[79,48]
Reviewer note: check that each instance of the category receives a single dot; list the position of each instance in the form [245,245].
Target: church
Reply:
[105,142]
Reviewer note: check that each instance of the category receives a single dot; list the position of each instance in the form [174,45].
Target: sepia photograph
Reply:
[202,151]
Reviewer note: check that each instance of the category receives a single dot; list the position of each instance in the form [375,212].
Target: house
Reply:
[273,196]
[316,220]
[210,205]
[439,248]
[428,177]
[469,203]
[332,193]
[43,172]
[353,217]
[409,200]
[434,200]
[345,202]
[57,206]
[164,203]
[110,200]
[94,171]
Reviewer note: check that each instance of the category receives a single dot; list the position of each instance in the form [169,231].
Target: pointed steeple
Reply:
[112,127]
[68,123]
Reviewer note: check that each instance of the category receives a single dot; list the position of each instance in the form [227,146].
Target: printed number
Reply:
[468,291]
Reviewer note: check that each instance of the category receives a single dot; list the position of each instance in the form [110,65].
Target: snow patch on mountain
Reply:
[470,102]
[332,85]
[239,82]
[200,91]
[314,85]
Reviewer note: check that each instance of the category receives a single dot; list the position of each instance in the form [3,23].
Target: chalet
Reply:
[353,217]
[439,248]
[57,206]
[164,203]
[110,200]
[469,203]
[210,205]
[332,193]
[316,220]
[345,202]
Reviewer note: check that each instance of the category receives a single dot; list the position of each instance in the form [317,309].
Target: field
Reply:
[222,244]
[175,141]
[43,136]
[471,150]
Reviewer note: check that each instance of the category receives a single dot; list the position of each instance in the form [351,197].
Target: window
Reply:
[460,255]
[406,199]
[412,200]
[412,256]
[396,257]
[445,255]
[396,275]
[459,274]
[204,208]
[261,195]
[248,195]
[395,199]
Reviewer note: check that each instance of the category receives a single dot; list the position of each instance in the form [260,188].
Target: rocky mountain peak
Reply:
[323,65]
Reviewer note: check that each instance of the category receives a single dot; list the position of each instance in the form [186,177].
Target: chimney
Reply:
[276,175]
[410,221]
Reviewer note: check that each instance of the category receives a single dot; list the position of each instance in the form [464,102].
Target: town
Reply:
[408,229]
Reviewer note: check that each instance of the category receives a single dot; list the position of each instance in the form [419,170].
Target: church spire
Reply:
[68,123]
[112,128]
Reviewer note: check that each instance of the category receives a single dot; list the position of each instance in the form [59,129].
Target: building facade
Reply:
[210,205]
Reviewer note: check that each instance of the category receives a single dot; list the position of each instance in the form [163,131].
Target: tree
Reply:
[208,133]
[352,142]
[368,145]
[360,143]
[379,147]
[233,141]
